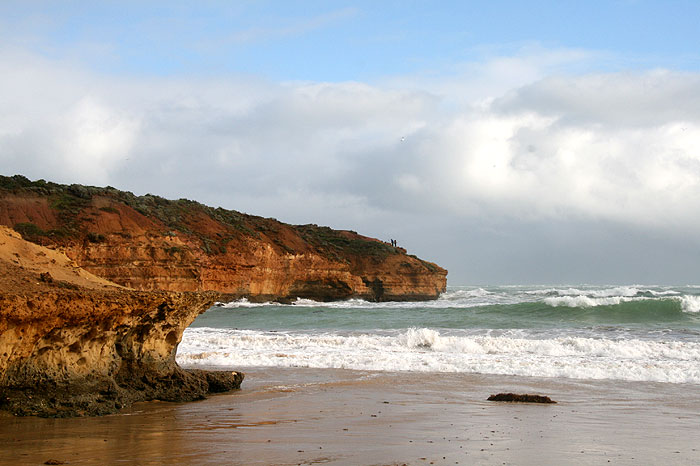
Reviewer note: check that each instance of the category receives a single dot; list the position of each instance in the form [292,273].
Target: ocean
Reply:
[354,382]
[630,333]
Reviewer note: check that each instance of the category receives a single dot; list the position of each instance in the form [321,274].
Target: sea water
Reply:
[633,333]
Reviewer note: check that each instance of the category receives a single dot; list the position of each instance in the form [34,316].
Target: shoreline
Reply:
[310,416]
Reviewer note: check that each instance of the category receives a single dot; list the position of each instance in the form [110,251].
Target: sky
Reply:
[511,142]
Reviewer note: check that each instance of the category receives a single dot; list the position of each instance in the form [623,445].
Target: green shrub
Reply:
[67,203]
[29,230]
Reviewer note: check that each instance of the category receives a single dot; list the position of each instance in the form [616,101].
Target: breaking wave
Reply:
[508,352]
[667,299]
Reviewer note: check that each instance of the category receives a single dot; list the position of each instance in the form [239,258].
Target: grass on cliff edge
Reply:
[178,215]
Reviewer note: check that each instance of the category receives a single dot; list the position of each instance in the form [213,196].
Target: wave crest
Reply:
[587,301]
[420,338]
[690,303]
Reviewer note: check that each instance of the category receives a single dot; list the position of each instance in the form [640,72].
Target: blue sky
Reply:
[338,41]
[511,142]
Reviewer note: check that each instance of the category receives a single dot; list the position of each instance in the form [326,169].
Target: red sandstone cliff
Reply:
[150,243]
[72,343]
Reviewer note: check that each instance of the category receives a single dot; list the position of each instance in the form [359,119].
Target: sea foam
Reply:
[587,301]
[690,303]
[427,350]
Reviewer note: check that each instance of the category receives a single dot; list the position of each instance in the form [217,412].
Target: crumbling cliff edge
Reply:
[74,344]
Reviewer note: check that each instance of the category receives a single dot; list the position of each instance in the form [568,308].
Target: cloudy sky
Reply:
[511,142]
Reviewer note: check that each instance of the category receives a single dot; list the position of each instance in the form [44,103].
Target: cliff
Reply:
[150,243]
[72,343]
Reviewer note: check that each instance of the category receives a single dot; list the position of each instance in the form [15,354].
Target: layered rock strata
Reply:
[150,243]
[74,344]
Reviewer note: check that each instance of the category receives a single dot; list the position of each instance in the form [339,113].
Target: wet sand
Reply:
[310,416]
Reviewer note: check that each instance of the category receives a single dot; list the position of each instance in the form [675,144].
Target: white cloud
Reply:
[615,100]
[97,138]
[621,147]
[496,72]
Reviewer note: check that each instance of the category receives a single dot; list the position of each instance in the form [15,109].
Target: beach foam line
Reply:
[426,350]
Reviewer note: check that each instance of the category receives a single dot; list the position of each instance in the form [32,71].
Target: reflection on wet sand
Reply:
[305,416]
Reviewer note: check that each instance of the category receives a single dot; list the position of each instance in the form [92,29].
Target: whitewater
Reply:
[632,333]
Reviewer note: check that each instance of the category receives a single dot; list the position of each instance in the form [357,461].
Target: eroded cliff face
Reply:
[74,344]
[149,243]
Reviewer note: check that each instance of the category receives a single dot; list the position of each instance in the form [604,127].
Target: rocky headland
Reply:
[97,286]
[73,344]
[151,243]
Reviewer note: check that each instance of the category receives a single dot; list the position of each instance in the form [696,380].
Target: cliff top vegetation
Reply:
[74,207]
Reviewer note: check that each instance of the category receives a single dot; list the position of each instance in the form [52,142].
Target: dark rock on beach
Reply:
[514,397]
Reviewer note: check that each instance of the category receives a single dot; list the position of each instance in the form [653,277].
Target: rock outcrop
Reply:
[150,243]
[75,344]
[97,286]
[518,398]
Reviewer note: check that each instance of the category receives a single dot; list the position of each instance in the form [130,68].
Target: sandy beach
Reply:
[312,416]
